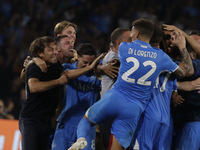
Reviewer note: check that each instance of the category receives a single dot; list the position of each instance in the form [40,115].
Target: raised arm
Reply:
[179,73]
[27,63]
[195,45]
[189,85]
[35,85]
[186,62]
[71,74]
[176,99]
[40,63]
[109,69]
[23,75]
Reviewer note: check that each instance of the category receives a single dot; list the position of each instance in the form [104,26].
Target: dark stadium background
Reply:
[21,21]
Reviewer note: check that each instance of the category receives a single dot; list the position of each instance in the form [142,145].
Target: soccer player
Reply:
[81,93]
[61,28]
[69,29]
[118,36]
[65,49]
[193,39]
[187,114]
[42,96]
[188,136]
[43,93]
[139,68]
[155,122]
[66,28]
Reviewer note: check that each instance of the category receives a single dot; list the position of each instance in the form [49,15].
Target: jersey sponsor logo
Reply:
[83,86]
[143,46]
[142,53]
[92,78]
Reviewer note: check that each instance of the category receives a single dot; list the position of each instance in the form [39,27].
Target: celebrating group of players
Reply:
[139,100]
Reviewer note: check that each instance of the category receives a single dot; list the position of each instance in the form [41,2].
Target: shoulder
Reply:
[125,44]
[33,67]
[69,66]
[110,56]
[158,49]
[162,53]
[34,71]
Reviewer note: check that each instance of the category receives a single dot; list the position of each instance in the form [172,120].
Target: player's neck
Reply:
[156,45]
[115,49]
[144,39]
[64,60]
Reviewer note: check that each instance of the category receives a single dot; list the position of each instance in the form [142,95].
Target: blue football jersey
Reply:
[191,106]
[188,137]
[140,66]
[81,93]
[159,107]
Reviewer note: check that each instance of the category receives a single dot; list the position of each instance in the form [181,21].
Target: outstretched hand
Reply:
[26,61]
[111,69]
[40,63]
[177,100]
[171,28]
[196,84]
[178,39]
[96,61]
[63,79]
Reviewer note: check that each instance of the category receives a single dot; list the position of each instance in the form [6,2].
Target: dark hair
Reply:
[157,35]
[39,44]
[86,49]
[59,38]
[59,27]
[117,34]
[144,26]
[166,36]
[189,47]
[195,32]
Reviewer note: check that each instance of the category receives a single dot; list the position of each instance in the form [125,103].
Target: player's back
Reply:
[159,107]
[140,66]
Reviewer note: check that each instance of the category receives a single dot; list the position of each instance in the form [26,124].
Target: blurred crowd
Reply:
[22,21]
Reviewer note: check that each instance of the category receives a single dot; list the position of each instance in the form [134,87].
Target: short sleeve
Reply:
[175,85]
[34,72]
[167,63]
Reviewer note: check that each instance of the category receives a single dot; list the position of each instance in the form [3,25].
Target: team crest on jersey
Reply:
[92,78]
[143,46]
